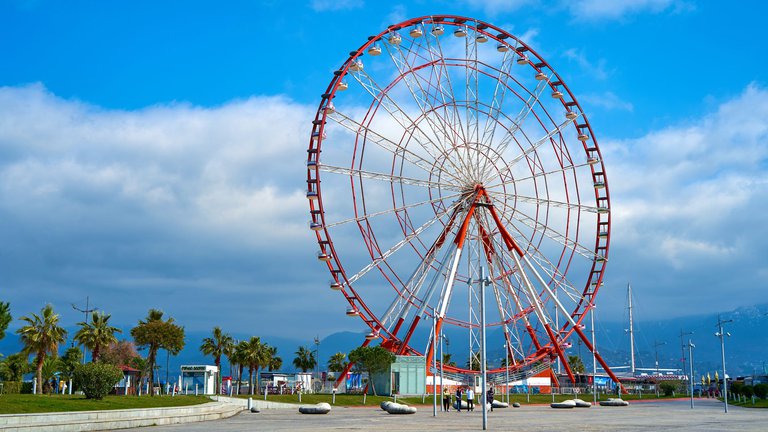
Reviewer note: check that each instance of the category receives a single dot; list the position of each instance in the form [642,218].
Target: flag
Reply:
[703,380]
[717,377]
[709,379]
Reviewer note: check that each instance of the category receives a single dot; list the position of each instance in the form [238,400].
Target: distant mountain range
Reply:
[746,348]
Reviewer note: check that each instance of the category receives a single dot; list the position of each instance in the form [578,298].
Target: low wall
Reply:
[117,419]
[260,404]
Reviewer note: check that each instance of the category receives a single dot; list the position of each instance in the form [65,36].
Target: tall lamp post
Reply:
[506,369]
[317,356]
[691,346]
[656,346]
[683,345]
[86,311]
[483,283]
[722,334]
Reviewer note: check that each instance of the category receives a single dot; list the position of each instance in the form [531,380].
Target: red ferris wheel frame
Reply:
[341,279]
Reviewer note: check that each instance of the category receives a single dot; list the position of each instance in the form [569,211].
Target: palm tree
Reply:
[337,362]
[217,346]
[275,362]
[142,366]
[41,336]
[97,334]
[239,358]
[5,317]
[305,359]
[155,333]
[256,355]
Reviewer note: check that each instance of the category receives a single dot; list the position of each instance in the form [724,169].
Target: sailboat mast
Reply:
[631,332]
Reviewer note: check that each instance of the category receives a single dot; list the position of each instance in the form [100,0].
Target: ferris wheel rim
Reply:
[313,176]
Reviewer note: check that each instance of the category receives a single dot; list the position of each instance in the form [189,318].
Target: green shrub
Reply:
[667,388]
[97,379]
[11,387]
[761,391]
[737,388]
[748,391]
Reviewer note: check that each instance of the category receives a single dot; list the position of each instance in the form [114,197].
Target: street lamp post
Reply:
[682,347]
[721,334]
[656,346]
[483,283]
[86,311]
[691,346]
[506,369]
[442,360]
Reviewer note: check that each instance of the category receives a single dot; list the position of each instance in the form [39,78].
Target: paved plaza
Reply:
[639,416]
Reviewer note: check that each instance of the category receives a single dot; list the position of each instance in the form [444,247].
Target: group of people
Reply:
[467,392]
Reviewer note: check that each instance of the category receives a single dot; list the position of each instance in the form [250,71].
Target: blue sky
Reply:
[151,153]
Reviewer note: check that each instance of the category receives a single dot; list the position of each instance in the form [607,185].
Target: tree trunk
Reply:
[239,377]
[250,379]
[373,387]
[218,374]
[40,359]
[151,361]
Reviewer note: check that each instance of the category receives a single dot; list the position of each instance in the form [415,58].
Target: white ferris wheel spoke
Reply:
[548,231]
[546,202]
[388,177]
[406,240]
[536,175]
[392,210]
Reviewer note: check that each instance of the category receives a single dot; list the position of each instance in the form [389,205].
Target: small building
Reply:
[200,379]
[406,376]
[127,385]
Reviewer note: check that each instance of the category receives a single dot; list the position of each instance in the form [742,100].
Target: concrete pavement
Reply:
[639,416]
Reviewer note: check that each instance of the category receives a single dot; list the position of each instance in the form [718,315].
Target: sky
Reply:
[152,154]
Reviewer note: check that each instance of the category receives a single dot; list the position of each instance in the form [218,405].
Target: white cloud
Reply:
[607,100]
[596,69]
[335,5]
[617,9]
[494,7]
[688,203]
[188,199]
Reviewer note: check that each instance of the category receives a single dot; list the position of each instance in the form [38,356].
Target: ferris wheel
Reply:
[449,161]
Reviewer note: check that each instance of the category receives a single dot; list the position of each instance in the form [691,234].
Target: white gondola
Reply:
[352,311]
[416,32]
[602,234]
[460,32]
[592,160]
[502,47]
[371,336]
[315,226]
[374,50]
[603,210]
[599,184]
[570,115]
[356,66]
[312,195]
[583,137]
[394,38]
[557,94]
[541,76]
[323,256]
[311,163]
[600,259]
[341,86]
[329,108]
[335,286]
[438,30]
[522,60]
[481,38]
[316,136]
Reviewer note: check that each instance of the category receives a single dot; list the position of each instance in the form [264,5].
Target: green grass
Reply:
[26,403]
[759,403]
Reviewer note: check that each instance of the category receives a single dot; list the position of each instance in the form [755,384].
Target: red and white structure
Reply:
[444,145]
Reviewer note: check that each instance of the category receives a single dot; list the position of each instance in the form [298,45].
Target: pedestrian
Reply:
[446,400]
[458,399]
[470,399]
[489,397]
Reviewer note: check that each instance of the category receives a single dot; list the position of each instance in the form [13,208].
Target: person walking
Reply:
[489,397]
[446,400]
[458,399]
[470,399]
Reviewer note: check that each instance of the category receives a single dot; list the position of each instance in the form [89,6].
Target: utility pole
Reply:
[483,282]
[86,311]
[721,334]
[656,346]
[691,346]
[631,333]
[317,355]
[683,346]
